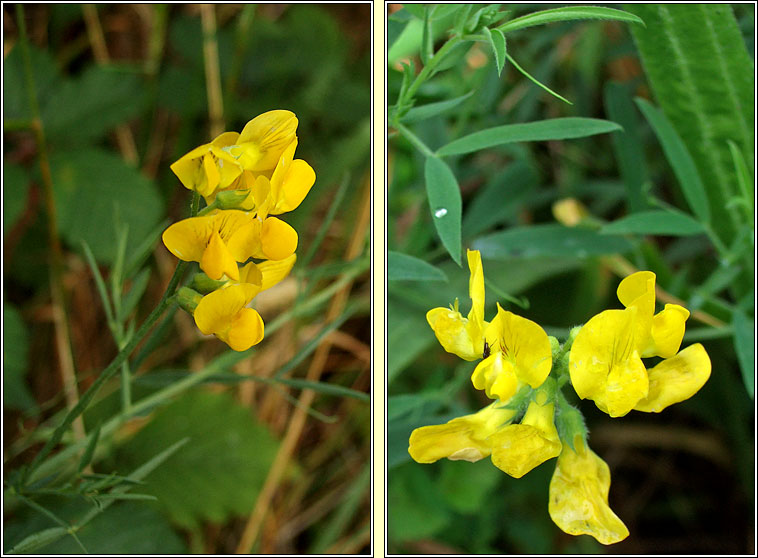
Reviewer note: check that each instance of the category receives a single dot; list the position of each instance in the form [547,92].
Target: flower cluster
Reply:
[530,421]
[241,247]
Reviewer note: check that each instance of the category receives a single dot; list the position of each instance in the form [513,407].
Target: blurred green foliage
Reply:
[638,189]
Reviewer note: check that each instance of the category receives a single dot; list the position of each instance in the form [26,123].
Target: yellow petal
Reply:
[676,379]
[476,293]
[638,291]
[451,330]
[188,238]
[281,170]
[272,132]
[189,169]
[604,364]
[297,183]
[226,139]
[217,260]
[251,274]
[496,376]
[463,438]
[228,169]
[246,330]
[667,331]
[579,496]
[523,343]
[273,271]
[278,239]
[245,242]
[519,448]
[216,311]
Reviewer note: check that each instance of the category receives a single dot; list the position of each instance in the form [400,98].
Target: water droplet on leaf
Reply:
[439,213]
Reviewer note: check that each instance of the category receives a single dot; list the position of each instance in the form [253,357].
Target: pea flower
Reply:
[218,164]
[220,240]
[224,313]
[579,495]
[520,353]
[458,335]
[605,362]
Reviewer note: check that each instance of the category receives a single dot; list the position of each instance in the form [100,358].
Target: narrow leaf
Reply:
[402,267]
[90,450]
[744,180]
[38,539]
[568,14]
[679,158]
[549,240]
[541,130]
[445,203]
[423,112]
[744,346]
[427,50]
[657,221]
[497,42]
[536,81]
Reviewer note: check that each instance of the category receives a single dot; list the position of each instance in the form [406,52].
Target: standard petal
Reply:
[273,271]
[189,170]
[638,291]
[451,330]
[188,238]
[272,132]
[278,239]
[215,312]
[524,343]
[579,496]
[676,379]
[667,331]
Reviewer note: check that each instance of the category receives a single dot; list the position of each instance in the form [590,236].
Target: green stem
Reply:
[429,69]
[417,143]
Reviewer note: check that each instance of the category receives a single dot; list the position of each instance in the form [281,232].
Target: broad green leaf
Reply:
[627,145]
[657,221]
[86,108]
[89,184]
[445,203]
[15,94]
[744,346]
[568,14]
[15,191]
[423,112]
[496,40]
[467,486]
[416,10]
[680,159]
[402,267]
[16,394]
[541,130]
[418,510]
[219,472]
[408,335]
[702,77]
[549,240]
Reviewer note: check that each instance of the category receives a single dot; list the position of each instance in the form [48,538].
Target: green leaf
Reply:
[408,334]
[657,221]
[89,184]
[536,81]
[139,284]
[15,192]
[16,394]
[402,267]
[744,346]
[496,40]
[680,159]
[33,542]
[89,452]
[427,47]
[627,145]
[542,130]
[445,203]
[85,109]
[466,487]
[549,240]
[423,112]
[702,77]
[745,180]
[568,14]
[219,473]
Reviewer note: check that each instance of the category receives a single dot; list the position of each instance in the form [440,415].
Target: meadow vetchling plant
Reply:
[530,421]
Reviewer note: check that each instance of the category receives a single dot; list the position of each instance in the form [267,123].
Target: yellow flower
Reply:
[520,354]
[579,495]
[519,448]
[605,362]
[208,167]
[463,438]
[290,183]
[458,335]
[264,139]
[223,313]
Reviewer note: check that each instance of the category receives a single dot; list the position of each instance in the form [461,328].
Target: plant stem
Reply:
[62,334]
[430,68]
[212,72]
[417,143]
